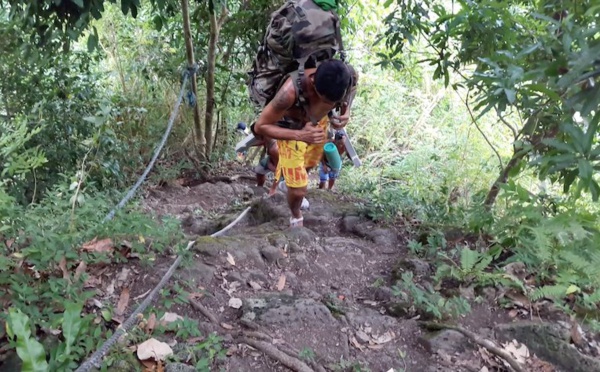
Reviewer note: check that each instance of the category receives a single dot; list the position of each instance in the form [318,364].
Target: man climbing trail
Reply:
[300,143]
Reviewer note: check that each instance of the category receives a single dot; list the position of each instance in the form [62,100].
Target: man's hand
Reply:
[312,134]
[339,122]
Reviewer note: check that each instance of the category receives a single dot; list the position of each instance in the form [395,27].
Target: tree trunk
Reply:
[200,146]
[537,143]
[215,29]
[490,199]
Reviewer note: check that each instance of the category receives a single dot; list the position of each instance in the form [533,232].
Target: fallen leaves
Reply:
[519,352]
[281,283]
[151,323]
[121,305]
[169,318]
[153,349]
[63,267]
[99,246]
[230,259]
[80,270]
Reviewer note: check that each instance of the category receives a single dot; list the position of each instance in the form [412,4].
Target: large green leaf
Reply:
[29,349]
[71,324]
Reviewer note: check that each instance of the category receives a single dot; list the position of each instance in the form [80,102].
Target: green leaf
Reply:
[71,324]
[585,170]
[511,95]
[29,349]
[468,259]
[79,3]
[388,3]
[591,133]
[594,190]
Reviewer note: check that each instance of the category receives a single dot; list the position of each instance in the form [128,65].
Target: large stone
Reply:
[549,342]
[288,310]
[444,342]
[301,236]
[418,267]
[349,222]
[198,272]
[271,254]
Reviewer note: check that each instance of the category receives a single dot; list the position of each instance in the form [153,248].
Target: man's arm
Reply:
[266,124]
[342,120]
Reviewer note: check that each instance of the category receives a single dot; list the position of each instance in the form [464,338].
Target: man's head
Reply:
[331,80]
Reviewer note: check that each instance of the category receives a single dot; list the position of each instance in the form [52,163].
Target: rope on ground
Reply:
[94,360]
[159,148]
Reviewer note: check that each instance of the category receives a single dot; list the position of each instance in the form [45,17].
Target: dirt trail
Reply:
[313,287]
[323,290]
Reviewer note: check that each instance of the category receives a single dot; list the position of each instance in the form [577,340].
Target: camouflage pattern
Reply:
[300,31]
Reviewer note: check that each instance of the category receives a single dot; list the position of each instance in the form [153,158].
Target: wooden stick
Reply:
[292,363]
[198,306]
[489,345]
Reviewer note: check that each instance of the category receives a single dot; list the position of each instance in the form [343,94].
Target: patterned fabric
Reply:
[296,156]
[299,29]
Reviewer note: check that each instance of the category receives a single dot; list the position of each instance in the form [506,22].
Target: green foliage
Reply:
[427,301]
[28,348]
[534,59]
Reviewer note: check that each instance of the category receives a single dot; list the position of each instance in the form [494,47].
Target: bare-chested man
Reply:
[300,143]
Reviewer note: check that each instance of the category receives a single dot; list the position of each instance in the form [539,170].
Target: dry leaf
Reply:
[255,285]
[169,318]
[92,282]
[154,349]
[362,336]
[576,334]
[355,343]
[122,305]
[63,267]
[80,270]
[227,326]
[122,277]
[196,295]
[484,369]
[151,324]
[513,313]
[104,245]
[384,338]
[9,243]
[97,303]
[236,303]
[520,353]
[281,283]
[230,259]
[518,299]
[375,347]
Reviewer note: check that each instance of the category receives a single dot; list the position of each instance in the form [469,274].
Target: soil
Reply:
[324,289]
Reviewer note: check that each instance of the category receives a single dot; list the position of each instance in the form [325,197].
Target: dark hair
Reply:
[332,79]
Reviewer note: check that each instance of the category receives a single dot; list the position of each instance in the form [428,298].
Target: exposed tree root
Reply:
[285,354]
[489,345]
[271,351]
[204,311]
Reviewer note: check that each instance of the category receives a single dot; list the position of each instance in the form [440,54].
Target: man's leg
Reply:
[323,176]
[291,164]
[333,175]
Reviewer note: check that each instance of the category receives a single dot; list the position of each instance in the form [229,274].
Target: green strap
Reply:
[326,4]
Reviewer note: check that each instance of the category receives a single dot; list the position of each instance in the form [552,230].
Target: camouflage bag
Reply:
[300,35]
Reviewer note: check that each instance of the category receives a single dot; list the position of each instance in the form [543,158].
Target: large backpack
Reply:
[300,35]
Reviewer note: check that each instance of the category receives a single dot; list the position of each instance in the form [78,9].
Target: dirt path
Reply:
[324,290]
[315,287]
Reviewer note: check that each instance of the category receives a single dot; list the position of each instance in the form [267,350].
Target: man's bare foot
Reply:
[296,222]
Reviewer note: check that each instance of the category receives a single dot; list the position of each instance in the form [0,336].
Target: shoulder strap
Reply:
[298,78]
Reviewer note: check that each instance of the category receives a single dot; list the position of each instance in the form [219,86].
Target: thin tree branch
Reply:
[466,102]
